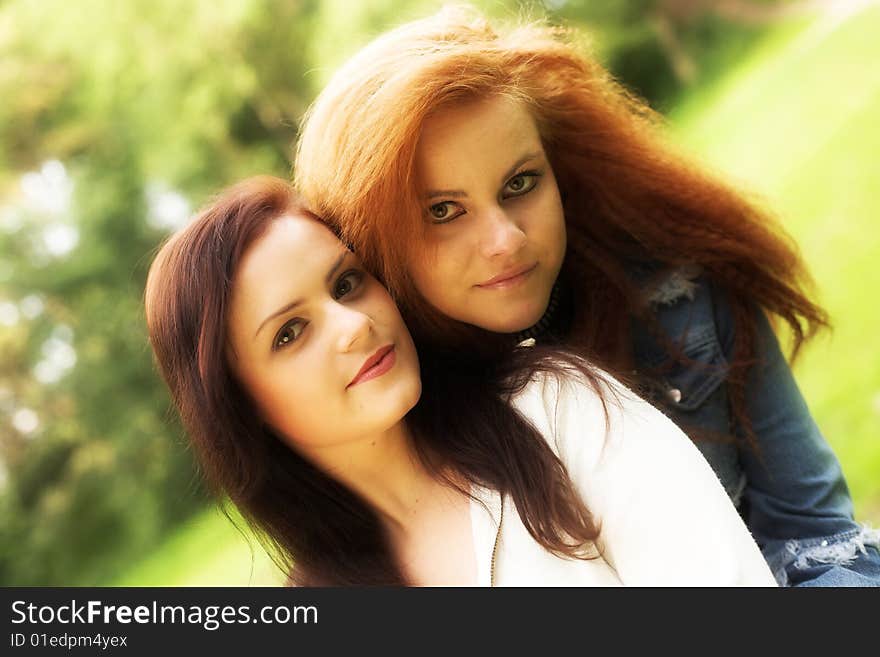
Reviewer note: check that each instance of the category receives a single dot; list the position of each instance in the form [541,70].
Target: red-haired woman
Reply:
[298,384]
[503,186]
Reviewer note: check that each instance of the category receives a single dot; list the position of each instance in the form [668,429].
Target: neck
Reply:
[385,471]
[554,323]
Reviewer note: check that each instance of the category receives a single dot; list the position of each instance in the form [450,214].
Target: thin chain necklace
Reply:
[537,330]
[495,547]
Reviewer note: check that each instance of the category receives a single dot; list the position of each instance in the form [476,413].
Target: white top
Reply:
[665,518]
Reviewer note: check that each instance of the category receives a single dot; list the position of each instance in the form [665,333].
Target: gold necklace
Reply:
[495,547]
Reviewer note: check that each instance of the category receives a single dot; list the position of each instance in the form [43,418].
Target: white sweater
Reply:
[665,518]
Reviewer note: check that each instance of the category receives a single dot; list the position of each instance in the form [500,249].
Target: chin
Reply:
[405,395]
[511,324]
[515,319]
[414,394]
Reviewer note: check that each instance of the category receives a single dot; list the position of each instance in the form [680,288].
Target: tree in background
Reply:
[147,105]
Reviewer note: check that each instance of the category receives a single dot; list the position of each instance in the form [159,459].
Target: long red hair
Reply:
[630,199]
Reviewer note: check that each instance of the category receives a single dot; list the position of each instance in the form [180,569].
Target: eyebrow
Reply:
[293,304]
[457,193]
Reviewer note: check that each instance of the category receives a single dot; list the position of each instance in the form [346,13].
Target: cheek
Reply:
[442,269]
[547,224]
[424,275]
[297,402]
[559,231]
[376,302]
[558,213]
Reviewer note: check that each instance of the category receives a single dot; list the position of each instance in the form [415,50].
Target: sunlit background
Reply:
[117,120]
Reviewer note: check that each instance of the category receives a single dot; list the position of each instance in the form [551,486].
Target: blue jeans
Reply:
[791,491]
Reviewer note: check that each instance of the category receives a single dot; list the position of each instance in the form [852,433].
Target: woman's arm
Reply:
[796,501]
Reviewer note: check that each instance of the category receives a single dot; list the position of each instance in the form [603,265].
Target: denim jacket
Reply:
[791,492]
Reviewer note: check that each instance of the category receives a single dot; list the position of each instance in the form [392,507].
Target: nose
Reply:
[354,326]
[502,236]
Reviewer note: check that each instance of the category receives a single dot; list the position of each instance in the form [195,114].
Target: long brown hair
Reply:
[629,199]
[318,530]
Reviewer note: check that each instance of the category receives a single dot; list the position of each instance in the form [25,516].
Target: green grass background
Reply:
[798,122]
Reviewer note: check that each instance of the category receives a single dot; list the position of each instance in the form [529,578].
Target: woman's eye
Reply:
[347,283]
[444,212]
[289,332]
[521,183]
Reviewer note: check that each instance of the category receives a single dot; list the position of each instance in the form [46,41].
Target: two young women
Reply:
[503,188]
[300,388]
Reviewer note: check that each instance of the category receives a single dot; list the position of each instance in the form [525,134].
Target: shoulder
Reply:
[690,313]
[688,304]
[582,417]
[618,449]
[562,388]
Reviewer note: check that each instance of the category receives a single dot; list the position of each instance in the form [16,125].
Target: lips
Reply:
[509,275]
[376,365]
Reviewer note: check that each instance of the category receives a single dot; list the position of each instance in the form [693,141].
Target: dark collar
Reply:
[556,320]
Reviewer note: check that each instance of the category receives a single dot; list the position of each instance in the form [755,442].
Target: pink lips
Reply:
[376,365]
[509,277]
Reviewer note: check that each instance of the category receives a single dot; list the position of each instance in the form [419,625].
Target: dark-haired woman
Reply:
[299,386]
[503,186]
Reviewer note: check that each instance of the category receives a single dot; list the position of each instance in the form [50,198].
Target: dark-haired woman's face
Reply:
[496,229]
[316,341]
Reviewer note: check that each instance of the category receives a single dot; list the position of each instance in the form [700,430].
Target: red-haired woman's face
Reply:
[316,341]
[496,229]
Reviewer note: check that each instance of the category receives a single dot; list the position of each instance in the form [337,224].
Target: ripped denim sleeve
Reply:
[840,552]
[850,558]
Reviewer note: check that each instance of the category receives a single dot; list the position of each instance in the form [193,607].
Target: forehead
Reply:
[283,262]
[290,242]
[498,128]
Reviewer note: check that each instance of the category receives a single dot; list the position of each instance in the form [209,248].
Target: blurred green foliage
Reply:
[135,99]
[117,120]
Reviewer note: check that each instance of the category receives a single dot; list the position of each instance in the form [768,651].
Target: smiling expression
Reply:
[316,341]
[495,225]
